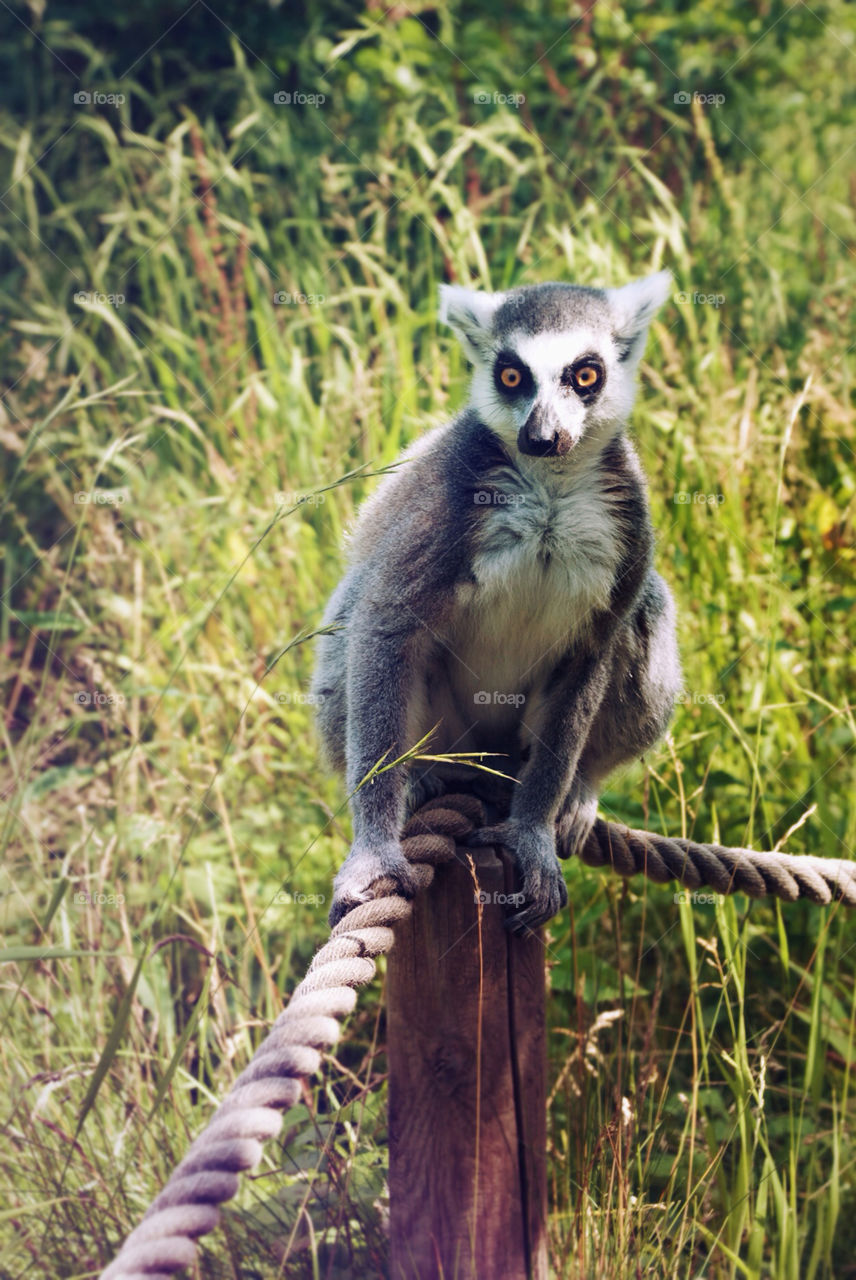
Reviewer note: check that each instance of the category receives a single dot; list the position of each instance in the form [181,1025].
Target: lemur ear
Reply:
[634,307]
[470,313]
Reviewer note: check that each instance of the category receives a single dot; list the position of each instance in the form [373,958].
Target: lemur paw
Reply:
[575,819]
[364,865]
[533,848]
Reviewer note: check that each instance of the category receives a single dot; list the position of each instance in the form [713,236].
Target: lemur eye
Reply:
[586,377]
[511,376]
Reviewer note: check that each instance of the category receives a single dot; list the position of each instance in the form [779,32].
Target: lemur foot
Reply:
[364,865]
[533,848]
[420,788]
[575,819]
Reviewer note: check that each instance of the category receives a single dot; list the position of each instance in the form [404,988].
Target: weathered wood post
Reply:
[467,1085]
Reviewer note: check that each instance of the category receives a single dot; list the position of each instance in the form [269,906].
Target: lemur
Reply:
[500,587]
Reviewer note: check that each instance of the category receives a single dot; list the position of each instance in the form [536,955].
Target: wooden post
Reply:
[467,1085]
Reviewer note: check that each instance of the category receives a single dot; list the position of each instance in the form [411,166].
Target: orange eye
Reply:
[511,378]
[586,377]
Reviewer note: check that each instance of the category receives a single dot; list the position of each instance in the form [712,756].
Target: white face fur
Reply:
[554,365]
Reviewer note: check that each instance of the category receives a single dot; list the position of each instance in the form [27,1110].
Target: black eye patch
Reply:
[511,377]
[585,376]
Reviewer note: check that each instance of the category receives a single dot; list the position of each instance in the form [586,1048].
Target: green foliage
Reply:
[255,340]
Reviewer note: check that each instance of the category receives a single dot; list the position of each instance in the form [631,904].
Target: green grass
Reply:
[701,1118]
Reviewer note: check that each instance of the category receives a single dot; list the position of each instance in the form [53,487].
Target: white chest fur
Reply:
[549,543]
[548,550]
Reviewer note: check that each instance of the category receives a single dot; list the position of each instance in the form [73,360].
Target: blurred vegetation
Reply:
[219,323]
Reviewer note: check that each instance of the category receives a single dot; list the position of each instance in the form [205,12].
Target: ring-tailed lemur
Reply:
[500,587]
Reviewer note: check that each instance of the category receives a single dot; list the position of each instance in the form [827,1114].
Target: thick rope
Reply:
[252,1111]
[776,875]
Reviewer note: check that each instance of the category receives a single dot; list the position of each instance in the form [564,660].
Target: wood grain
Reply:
[467,1125]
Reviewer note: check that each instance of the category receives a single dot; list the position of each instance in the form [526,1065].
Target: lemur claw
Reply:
[532,848]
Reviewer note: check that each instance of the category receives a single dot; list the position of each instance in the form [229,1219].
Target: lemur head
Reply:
[554,364]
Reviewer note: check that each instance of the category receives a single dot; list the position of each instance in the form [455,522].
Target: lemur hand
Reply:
[533,848]
[367,862]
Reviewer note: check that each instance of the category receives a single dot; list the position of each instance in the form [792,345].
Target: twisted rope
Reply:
[252,1111]
[775,875]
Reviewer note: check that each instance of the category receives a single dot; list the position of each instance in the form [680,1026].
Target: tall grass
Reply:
[182,454]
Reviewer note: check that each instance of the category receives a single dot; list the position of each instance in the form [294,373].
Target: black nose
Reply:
[539,448]
[541,435]
[557,445]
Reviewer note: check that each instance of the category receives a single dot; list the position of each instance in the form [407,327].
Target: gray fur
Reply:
[510,555]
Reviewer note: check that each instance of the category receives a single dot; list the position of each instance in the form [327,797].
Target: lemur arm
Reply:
[575,694]
[530,830]
[386,656]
